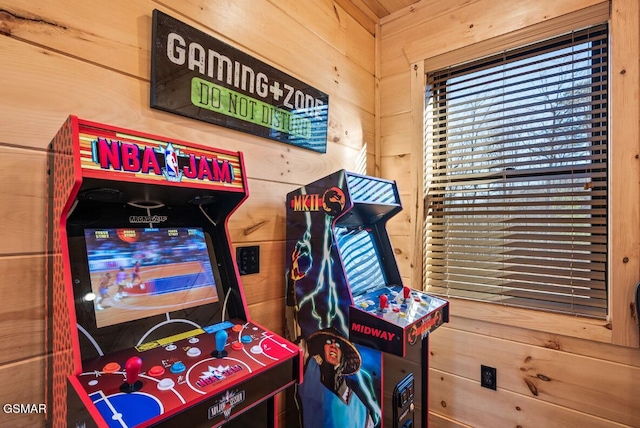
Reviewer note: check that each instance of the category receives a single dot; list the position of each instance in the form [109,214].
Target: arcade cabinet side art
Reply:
[342,380]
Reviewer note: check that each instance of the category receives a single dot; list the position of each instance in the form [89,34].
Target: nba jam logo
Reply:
[171,171]
[225,405]
[136,158]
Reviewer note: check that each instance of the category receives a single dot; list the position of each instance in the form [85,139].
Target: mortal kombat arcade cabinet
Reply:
[148,323]
[347,307]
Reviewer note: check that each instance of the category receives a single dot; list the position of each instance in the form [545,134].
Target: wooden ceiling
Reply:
[370,12]
[382,8]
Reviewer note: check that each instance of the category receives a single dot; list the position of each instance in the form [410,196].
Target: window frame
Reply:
[526,283]
[621,327]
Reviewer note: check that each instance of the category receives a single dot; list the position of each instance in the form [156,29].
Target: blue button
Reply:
[246,339]
[178,367]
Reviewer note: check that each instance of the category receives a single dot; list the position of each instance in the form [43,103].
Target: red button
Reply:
[237,328]
[111,368]
[156,371]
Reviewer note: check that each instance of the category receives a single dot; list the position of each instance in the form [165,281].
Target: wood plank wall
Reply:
[91,58]
[552,370]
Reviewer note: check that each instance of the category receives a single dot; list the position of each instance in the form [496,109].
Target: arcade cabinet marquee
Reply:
[148,324]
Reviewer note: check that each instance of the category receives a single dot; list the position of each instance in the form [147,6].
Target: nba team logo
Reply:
[216,374]
[225,405]
[171,170]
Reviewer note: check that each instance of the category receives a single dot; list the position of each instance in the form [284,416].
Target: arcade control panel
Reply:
[202,377]
[390,318]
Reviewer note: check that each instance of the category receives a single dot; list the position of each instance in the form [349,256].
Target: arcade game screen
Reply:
[362,262]
[137,273]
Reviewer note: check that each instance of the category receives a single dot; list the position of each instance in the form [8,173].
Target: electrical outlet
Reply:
[248,259]
[488,377]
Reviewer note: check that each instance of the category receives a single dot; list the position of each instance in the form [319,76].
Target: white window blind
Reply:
[516,177]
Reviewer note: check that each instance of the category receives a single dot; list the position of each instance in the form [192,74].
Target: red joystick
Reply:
[384,301]
[132,370]
[406,291]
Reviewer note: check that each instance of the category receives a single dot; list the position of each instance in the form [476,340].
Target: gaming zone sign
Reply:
[198,76]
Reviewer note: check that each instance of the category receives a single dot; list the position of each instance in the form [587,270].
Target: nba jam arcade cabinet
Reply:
[347,307]
[148,324]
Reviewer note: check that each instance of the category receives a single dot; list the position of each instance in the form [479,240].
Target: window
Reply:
[516,177]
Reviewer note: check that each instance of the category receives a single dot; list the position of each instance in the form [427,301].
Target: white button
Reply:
[165,384]
[194,352]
